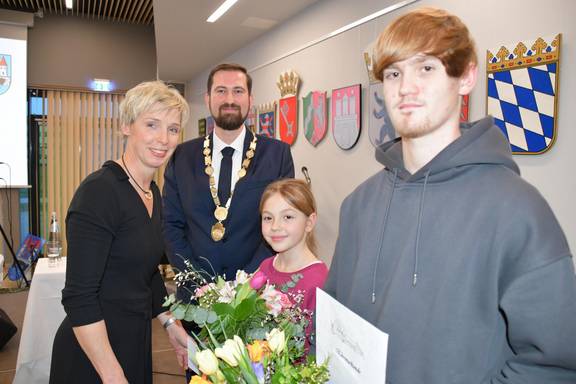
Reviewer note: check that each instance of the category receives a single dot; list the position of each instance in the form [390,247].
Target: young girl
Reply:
[288,214]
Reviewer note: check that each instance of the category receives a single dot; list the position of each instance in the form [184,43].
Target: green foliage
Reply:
[234,310]
[307,372]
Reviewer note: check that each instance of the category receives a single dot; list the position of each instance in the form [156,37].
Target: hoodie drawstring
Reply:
[418,230]
[381,239]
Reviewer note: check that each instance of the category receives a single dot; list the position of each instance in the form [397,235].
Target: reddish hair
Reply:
[430,31]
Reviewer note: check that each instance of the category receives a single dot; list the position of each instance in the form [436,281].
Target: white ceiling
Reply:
[186,44]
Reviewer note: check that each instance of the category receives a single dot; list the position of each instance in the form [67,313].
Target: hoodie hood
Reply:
[480,143]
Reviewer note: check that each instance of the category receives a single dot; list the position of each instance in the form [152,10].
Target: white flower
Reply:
[207,362]
[226,293]
[276,340]
[241,277]
[231,351]
[273,299]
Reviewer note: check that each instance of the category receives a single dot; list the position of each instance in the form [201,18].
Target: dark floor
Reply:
[166,369]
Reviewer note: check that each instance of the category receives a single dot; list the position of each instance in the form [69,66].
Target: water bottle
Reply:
[53,245]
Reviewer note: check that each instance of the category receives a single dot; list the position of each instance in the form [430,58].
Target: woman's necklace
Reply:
[147,193]
[221,212]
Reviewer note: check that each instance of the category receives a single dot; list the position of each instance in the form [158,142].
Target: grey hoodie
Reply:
[463,264]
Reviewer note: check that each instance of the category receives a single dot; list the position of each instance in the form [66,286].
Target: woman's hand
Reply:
[177,336]
[93,338]
[179,340]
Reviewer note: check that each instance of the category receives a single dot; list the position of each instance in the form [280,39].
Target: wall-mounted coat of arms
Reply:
[5,72]
[522,92]
[288,106]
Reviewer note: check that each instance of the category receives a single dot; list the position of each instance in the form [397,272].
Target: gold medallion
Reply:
[221,213]
[217,231]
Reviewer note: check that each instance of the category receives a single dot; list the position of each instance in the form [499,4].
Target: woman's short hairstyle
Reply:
[152,94]
[430,31]
[298,194]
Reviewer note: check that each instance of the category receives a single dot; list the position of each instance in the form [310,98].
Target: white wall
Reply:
[338,62]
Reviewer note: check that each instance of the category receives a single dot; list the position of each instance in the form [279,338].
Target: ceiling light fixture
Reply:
[221,10]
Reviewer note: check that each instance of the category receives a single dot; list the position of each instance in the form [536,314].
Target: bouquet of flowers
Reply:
[249,332]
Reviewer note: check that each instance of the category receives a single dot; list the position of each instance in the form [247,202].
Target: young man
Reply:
[213,184]
[448,249]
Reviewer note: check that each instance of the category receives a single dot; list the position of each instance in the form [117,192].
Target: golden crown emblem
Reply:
[369,61]
[288,83]
[267,107]
[542,51]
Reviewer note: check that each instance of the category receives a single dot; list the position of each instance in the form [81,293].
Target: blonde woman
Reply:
[113,288]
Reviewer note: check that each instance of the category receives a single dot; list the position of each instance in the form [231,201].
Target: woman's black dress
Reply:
[114,248]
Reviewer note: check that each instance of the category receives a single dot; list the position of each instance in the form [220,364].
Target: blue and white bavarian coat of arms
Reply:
[5,72]
[522,92]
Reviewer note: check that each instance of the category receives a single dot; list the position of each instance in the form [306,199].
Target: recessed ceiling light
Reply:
[221,10]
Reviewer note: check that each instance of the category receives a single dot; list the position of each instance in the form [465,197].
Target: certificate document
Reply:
[192,349]
[356,349]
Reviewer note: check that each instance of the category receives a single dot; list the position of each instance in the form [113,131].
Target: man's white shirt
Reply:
[217,146]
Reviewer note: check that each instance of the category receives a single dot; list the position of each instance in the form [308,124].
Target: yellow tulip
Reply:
[207,362]
[257,349]
[276,340]
[230,352]
[199,380]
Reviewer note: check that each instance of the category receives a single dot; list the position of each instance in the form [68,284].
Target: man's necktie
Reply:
[225,178]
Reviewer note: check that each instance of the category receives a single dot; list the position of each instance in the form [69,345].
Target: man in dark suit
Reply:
[213,185]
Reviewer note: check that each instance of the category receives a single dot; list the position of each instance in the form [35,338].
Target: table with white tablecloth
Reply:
[44,313]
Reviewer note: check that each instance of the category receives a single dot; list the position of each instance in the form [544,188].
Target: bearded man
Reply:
[213,185]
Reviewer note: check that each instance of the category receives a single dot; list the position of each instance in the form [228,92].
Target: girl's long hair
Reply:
[298,194]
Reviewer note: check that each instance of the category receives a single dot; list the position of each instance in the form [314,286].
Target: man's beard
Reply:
[414,131]
[229,121]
